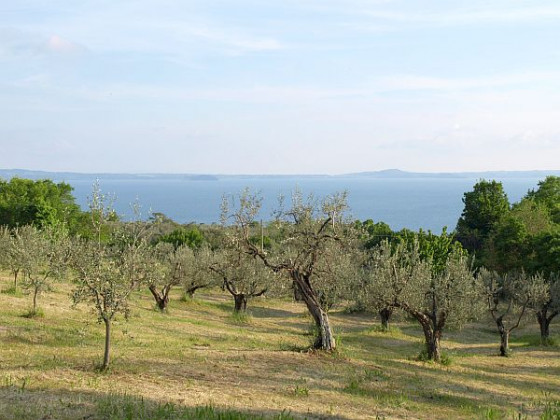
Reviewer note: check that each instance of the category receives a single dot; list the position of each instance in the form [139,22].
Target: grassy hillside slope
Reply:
[198,361]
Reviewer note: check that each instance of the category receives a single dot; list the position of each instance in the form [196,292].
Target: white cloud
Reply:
[234,39]
[57,44]
[25,43]
[469,16]
[418,82]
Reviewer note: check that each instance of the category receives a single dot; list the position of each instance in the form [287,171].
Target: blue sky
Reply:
[279,86]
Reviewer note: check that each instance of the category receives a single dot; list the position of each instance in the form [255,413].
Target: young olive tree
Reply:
[398,277]
[241,275]
[544,259]
[196,274]
[107,273]
[5,241]
[304,231]
[509,297]
[163,275]
[549,308]
[12,254]
[181,266]
[43,256]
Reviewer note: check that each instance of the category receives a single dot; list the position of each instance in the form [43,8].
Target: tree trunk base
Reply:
[385,315]
[504,345]
[240,303]
[106,353]
[544,325]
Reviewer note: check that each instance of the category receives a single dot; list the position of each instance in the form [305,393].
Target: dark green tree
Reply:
[484,207]
[192,238]
[507,249]
[41,203]
[374,233]
[548,194]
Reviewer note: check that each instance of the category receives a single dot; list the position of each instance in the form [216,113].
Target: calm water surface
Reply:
[428,203]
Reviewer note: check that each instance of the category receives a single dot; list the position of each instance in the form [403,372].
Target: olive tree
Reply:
[5,242]
[43,257]
[509,297]
[107,273]
[549,308]
[241,275]
[181,266]
[544,260]
[196,274]
[164,273]
[12,257]
[398,277]
[304,231]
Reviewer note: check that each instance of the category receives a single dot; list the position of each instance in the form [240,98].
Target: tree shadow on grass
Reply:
[19,403]
[500,385]
[264,312]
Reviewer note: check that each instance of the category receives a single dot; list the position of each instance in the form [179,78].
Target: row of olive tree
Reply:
[429,277]
[39,256]
[309,245]
[520,238]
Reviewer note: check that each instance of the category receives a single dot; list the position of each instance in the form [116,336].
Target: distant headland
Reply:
[386,173]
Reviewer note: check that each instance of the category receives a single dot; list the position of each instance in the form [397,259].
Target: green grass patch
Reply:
[13,291]
[34,313]
[198,356]
[241,318]
[125,407]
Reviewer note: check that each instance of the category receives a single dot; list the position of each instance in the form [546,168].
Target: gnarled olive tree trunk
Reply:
[432,338]
[325,337]
[161,297]
[190,290]
[240,303]
[297,292]
[35,293]
[504,336]
[544,319]
[15,272]
[432,325]
[385,315]
[106,353]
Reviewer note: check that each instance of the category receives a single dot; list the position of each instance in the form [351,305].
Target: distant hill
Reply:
[387,173]
[73,176]
[397,173]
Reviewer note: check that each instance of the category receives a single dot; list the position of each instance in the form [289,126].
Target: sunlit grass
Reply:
[198,356]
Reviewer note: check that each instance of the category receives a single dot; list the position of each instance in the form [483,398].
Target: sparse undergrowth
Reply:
[198,360]
[118,407]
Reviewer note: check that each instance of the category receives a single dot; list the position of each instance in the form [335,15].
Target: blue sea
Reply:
[427,203]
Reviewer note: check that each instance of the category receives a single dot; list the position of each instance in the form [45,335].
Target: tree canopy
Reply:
[484,207]
[41,203]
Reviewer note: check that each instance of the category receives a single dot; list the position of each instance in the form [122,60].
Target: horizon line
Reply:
[377,171]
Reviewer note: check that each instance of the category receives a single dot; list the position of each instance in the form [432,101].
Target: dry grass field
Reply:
[199,361]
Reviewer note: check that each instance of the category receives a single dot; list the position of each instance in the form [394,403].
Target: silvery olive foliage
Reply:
[107,272]
[509,297]
[396,275]
[243,275]
[304,231]
[178,267]
[42,256]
